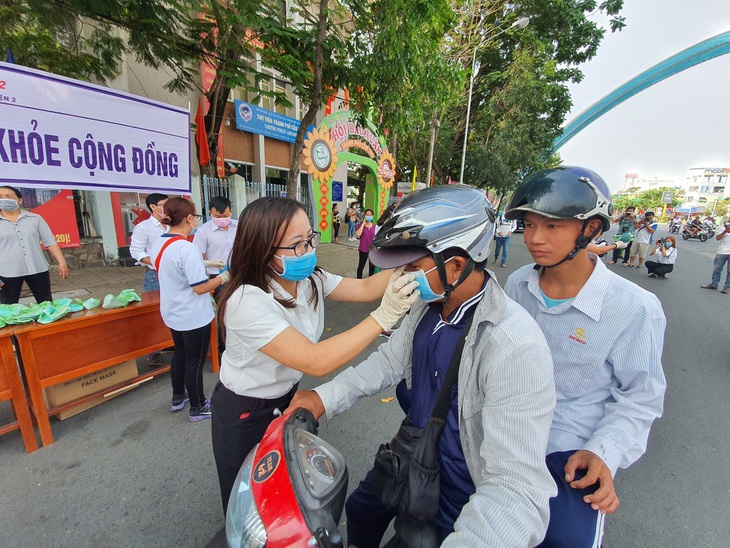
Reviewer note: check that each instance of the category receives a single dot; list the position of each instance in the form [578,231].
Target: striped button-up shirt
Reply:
[19,245]
[607,348]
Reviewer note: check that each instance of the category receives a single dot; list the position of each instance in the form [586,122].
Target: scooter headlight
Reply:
[290,490]
[244,527]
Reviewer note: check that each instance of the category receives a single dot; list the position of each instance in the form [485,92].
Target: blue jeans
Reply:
[350,229]
[501,243]
[720,261]
[150,280]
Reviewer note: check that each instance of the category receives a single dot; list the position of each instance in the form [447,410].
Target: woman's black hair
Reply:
[15,190]
[261,228]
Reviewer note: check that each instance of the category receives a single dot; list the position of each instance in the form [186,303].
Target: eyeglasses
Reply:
[302,247]
[198,217]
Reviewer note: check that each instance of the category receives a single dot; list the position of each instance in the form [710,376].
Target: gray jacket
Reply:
[506,398]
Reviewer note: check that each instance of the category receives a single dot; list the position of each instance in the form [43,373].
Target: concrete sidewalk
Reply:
[339,258]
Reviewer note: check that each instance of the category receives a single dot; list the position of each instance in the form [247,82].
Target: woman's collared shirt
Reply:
[19,245]
[253,318]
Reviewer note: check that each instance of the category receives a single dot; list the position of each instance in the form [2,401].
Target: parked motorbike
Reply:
[696,231]
[290,490]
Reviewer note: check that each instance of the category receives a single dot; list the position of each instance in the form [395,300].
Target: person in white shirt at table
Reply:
[143,236]
[215,238]
[185,305]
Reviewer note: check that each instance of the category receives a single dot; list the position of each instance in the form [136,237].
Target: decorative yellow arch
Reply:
[330,144]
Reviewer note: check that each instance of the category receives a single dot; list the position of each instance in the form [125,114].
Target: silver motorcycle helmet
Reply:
[432,221]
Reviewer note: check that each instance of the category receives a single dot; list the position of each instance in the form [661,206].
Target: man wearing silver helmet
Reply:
[494,484]
[606,336]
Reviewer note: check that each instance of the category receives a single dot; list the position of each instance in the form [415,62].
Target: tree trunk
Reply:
[292,184]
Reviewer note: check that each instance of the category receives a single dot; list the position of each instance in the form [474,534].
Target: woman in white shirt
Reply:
[273,315]
[666,255]
[185,305]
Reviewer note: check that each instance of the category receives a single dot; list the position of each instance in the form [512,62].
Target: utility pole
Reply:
[434,126]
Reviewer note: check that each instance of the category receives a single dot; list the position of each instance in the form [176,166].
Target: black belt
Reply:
[261,403]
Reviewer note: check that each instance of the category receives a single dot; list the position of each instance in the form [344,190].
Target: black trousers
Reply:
[364,255]
[237,424]
[39,284]
[658,268]
[186,369]
[625,259]
[336,229]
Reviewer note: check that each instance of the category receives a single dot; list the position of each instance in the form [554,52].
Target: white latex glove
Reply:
[225,276]
[621,245]
[214,264]
[399,296]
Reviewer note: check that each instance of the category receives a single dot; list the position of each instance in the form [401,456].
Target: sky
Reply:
[677,124]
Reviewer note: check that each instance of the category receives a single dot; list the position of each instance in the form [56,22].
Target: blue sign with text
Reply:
[336,191]
[265,122]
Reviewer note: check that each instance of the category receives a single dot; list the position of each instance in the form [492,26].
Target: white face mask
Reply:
[8,204]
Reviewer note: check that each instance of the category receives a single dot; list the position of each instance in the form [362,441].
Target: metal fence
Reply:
[215,186]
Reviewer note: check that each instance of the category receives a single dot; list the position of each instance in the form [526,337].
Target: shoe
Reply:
[611,262]
[652,275]
[200,413]
[504,266]
[155,360]
[638,267]
[662,276]
[708,286]
[625,265]
[724,291]
[178,402]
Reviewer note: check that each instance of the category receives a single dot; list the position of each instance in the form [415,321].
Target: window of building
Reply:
[718,189]
[704,189]
[693,189]
[279,88]
[239,168]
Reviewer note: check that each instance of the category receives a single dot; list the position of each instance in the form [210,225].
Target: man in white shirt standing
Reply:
[215,241]
[143,236]
[215,238]
[643,235]
[721,259]
[605,335]
[504,229]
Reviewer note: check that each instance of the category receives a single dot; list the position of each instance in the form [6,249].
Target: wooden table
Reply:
[86,342]
[11,388]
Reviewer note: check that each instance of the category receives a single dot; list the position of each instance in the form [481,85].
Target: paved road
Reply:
[129,473]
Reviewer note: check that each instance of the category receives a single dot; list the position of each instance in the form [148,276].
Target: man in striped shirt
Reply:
[606,336]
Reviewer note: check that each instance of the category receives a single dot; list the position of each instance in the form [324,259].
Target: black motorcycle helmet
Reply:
[567,192]
[433,220]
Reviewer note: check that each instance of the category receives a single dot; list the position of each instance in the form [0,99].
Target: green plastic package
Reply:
[51,313]
[125,297]
[88,304]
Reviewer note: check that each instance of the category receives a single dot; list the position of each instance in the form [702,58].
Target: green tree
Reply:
[520,95]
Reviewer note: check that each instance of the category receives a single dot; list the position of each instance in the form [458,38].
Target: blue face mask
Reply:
[427,294]
[297,268]
[667,244]
[369,218]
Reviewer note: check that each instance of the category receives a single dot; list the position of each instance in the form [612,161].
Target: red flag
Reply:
[201,138]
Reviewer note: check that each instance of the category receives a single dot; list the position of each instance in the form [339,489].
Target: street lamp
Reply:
[520,23]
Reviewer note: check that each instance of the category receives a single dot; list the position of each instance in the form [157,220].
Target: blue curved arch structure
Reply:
[694,55]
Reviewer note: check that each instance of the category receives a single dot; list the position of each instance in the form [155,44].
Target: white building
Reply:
[704,187]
